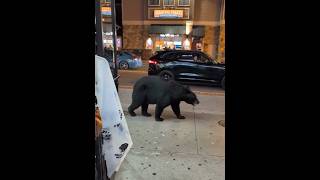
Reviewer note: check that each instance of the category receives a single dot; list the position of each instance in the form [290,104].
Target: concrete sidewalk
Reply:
[189,149]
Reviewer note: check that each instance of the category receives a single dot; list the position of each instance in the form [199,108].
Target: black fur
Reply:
[154,90]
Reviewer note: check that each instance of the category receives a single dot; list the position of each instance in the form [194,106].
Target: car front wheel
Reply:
[124,65]
[223,83]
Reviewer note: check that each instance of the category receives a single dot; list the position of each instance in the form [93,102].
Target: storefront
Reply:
[168,35]
[165,37]
[108,40]
[174,37]
[172,24]
[107,27]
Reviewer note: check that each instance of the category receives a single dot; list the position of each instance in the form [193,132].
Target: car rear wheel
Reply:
[124,65]
[223,83]
[166,75]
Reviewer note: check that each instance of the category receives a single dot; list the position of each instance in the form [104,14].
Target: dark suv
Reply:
[187,66]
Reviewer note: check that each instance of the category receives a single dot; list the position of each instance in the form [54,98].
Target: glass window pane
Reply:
[168,2]
[154,2]
[184,2]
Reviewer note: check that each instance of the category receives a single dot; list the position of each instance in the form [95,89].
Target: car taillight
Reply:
[153,62]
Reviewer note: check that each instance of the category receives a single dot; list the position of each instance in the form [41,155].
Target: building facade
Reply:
[107,24]
[221,48]
[152,25]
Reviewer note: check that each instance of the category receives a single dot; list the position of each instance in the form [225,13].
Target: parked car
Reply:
[194,66]
[126,60]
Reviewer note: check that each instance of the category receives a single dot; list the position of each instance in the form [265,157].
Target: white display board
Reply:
[116,137]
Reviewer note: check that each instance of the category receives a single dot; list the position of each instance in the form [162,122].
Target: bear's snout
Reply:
[196,102]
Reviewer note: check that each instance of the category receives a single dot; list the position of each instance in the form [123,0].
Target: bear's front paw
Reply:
[159,119]
[181,117]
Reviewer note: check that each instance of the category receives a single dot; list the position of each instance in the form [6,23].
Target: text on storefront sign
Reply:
[168,13]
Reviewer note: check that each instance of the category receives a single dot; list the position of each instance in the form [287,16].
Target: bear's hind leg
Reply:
[144,109]
[131,109]
[137,99]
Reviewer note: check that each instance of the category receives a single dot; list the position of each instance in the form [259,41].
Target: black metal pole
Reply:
[101,166]
[114,37]
[99,37]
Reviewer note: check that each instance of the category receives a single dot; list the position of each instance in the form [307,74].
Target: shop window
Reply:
[183,2]
[154,2]
[168,2]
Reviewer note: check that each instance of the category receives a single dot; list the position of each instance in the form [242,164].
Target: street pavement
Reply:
[176,149]
[129,77]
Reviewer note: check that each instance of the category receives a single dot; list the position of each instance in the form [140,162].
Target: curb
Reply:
[138,71]
[209,93]
[196,92]
[125,87]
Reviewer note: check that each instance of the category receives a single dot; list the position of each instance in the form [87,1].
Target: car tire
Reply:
[166,75]
[123,65]
[223,83]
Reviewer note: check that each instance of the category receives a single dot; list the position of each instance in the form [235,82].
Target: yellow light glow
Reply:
[188,27]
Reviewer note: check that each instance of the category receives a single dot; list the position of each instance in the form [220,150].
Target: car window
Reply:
[186,57]
[170,56]
[201,58]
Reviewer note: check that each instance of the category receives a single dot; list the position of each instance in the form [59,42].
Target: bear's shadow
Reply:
[167,114]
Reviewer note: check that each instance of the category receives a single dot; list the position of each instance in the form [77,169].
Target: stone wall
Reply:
[221,50]
[211,40]
[134,39]
[134,36]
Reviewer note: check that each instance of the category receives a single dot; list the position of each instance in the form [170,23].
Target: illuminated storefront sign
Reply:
[168,13]
[106,11]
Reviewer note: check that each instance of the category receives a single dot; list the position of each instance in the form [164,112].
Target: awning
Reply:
[197,31]
[161,29]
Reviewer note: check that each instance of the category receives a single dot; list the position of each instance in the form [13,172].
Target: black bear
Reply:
[154,90]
